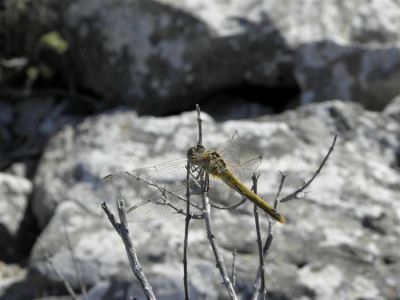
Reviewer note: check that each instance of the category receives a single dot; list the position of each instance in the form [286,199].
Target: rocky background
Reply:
[93,87]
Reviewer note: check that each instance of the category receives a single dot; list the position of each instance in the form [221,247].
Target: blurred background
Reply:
[93,87]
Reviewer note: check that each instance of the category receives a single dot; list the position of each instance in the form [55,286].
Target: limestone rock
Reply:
[14,193]
[341,236]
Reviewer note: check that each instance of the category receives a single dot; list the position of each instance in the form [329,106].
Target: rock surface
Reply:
[331,71]
[152,54]
[14,193]
[342,237]
[164,56]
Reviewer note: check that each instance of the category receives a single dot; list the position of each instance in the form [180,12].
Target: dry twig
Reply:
[67,285]
[261,287]
[211,238]
[75,263]
[293,195]
[164,197]
[199,122]
[185,242]
[234,254]
[204,180]
[123,231]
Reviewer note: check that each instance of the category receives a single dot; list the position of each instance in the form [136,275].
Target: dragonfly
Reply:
[212,163]
[220,165]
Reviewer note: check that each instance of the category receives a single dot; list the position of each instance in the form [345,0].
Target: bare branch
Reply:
[278,193]
[67,285]
[259,288]
[307,183]
[165,201]
[75,263]
[123,231]
[185,241]
[268,243]
[211,237]
[234,254]
[199,121]
[204,181]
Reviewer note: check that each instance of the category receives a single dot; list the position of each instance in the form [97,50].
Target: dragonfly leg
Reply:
[207,182]
[195,169]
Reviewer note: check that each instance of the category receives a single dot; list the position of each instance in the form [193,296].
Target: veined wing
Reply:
[239,173]
[151,193]
[158,192]
[240,163]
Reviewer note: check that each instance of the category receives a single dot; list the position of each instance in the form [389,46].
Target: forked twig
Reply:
[123,231]
[204,180]
[307,183]
[293,195]
[268,241]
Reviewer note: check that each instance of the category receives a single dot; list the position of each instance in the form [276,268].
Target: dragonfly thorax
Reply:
[209,161]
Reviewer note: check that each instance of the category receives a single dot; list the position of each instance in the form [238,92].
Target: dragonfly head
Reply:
[194,153]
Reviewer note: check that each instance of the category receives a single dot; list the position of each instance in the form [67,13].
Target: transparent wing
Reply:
[242,164]
[158,192]
[152,193]
[230,144]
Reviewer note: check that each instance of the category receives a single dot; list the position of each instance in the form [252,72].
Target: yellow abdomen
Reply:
[232,181]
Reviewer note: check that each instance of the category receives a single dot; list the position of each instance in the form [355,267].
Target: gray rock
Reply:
[9,275]
[364,74]
[393,109]
[342,21]
[154,54]
[14,192]
[6,117]
[18,169]
[29,115]
[6,113]
[340,238]
[304,21]
[163,56]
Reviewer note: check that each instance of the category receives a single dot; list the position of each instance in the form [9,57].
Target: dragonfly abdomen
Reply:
[232,181]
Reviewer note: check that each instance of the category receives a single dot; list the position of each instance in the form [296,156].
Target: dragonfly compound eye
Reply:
[191,152]
[200,149]
[194,153]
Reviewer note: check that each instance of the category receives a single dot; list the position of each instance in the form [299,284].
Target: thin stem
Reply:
[67,285]
[307,183]
[75,263]
[268,241]
[163,195]
[259,288]
[278,193]
[123,231]
[234,254]
[185,242]
[199,121]
[211,237]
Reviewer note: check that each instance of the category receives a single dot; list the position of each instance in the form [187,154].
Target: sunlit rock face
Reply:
[341,235]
